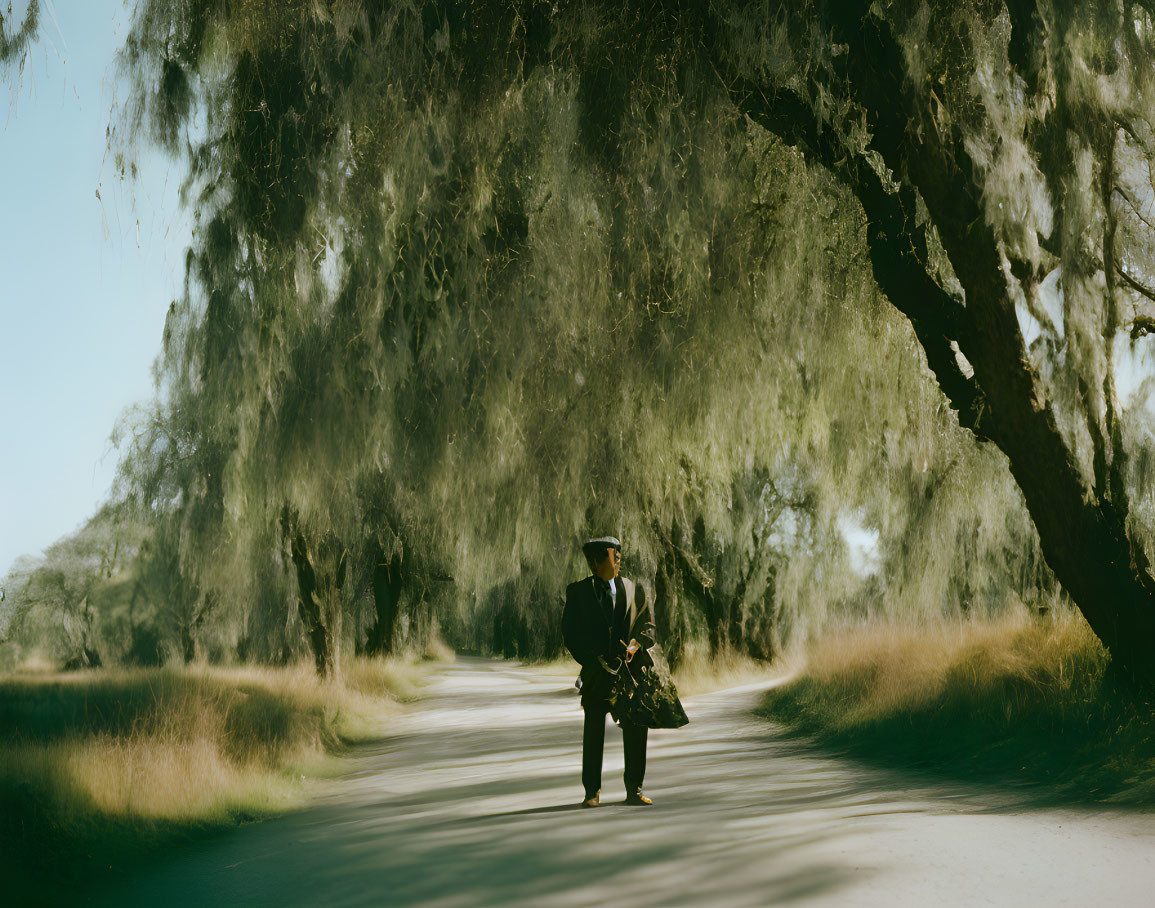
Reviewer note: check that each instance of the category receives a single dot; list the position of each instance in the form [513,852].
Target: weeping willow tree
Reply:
[1002,156]
[472,280]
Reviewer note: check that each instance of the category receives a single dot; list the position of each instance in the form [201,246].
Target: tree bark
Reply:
[387,583]
[1082,533]
[319,603]
[667,616]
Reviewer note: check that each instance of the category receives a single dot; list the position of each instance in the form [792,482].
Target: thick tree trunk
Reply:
[692,581]
[752,611]
[309,608]
[666,607]
[319,604]
[188,644]
[1081,531]
[387,584]
[1082,534]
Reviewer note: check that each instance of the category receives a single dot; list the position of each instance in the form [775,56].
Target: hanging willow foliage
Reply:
[473,280]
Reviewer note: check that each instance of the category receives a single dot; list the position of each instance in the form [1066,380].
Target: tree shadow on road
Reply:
[475,802]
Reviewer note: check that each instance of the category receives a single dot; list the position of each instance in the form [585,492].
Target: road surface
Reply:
[473,802]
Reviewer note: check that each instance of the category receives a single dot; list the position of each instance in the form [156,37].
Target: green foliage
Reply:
[77,605]
[14,44]
[1053,105]
[474,279]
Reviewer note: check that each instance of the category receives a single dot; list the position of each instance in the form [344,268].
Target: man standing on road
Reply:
[599,612]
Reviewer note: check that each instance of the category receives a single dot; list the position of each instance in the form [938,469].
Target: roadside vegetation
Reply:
[98,768]
[1016,699]
[699,672]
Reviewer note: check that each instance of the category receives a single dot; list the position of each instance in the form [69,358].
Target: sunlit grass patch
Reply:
[1023,698]
[96,766]
[700,673]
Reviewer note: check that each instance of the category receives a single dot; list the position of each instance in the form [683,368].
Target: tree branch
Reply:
[892,239]
[1141,289]
[689,562]
[1133,206]
[1142,326]
[1083,533]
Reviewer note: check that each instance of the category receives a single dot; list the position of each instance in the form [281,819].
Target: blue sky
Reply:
[83,289]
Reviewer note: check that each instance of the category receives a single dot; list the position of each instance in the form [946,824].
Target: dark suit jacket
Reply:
[591,626]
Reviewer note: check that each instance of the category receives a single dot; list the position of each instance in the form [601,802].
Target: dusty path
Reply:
[471,802]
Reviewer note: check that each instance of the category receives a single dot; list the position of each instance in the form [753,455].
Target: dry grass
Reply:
[699,673]
[881,671]
[437,650]
[1020,697]
[97,766]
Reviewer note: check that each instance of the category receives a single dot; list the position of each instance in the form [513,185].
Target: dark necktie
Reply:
[607,602]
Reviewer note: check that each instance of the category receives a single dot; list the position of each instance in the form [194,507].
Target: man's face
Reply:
[607,566]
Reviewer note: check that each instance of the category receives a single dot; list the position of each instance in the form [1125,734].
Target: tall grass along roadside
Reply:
[699,672]
[1019,698]
[98,766]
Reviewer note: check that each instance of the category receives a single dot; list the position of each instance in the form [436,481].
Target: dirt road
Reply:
[472,801]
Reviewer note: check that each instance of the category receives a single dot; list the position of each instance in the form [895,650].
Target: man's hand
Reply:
[636,654]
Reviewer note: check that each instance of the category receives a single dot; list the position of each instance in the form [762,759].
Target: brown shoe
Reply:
[637,799]
[593,800]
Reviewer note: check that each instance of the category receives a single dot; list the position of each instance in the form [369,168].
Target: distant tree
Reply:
[179,607]
[56,604]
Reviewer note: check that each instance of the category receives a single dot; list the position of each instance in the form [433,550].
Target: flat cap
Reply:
[602,542]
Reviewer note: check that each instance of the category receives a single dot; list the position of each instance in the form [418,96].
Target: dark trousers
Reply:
[593,742]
